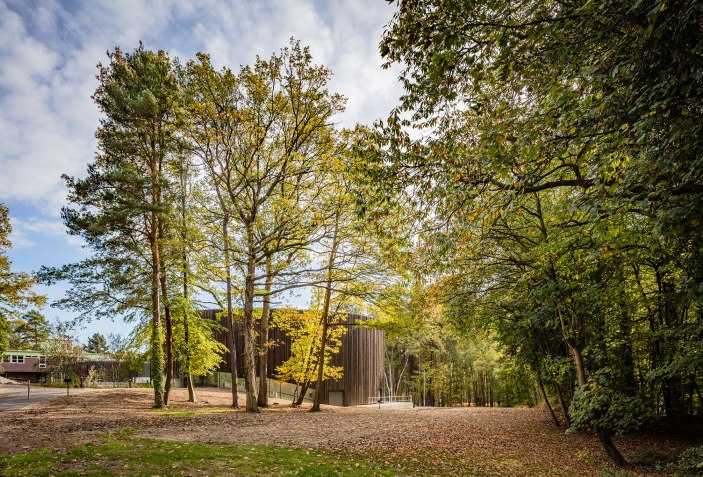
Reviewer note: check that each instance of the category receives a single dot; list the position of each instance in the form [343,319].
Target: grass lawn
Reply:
[124,455]
[120,454]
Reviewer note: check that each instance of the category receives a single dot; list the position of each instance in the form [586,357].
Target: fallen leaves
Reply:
[422,441]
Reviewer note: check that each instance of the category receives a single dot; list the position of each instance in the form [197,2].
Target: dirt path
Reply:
[518,439]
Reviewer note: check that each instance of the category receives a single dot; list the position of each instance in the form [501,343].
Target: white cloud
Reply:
[29,233]
[49,53]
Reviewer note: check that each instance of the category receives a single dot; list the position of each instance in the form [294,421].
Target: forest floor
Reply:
[115,432]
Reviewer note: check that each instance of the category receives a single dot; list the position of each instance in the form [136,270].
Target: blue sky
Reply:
[48,56]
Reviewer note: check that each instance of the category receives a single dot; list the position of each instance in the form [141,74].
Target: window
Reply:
[6,358]
[17,359]
[42,361]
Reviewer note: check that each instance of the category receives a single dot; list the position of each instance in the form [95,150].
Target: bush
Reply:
[598,405]
[690,461]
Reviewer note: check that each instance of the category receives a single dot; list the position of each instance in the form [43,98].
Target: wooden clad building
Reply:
[361,355]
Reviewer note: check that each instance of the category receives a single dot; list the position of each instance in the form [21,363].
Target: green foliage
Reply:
[15,287]
[96,344]
[558,188]
[690,461]
[202,353]
[602,405]
[29,331]
[437,362]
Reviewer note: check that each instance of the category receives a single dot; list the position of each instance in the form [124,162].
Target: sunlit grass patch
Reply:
[146,457]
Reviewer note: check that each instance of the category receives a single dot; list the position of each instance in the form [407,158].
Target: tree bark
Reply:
[157,359]
[612,451]
[574,348]
[263,399]
[230,316]
[325,316]
[555,420]
[301,397]
[167,322]
[249,344]
[562,404]
[188,377]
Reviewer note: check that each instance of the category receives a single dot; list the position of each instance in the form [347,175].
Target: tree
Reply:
[128,352]
[195,345]
[30,331]
[96,344]
[15,287]
[210,118]
[525,109]
[273,133]
[121,203]
[305,331]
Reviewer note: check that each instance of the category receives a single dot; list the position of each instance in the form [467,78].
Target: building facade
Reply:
[361,355]
[23,365]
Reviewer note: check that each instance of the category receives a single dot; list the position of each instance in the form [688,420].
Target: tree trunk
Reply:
[249,344]
[263,399]
[167,322]
[187,376]
[325,317]
[612,451]
[562,404]
[578,361]
[191,390]
[169,354]
[157,356]
[574,348]
[546,400]
[301,397]
[230,316]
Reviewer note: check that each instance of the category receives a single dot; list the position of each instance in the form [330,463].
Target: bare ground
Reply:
[514,441]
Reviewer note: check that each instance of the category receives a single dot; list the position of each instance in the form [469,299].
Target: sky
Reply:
[48,56]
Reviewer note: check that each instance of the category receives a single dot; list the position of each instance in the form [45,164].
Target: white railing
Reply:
[384,399]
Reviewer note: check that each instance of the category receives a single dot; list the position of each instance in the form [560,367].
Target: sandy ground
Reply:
[519,435]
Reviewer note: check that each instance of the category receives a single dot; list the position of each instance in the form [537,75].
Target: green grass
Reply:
[123,455]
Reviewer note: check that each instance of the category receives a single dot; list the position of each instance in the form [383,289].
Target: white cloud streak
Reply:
[49,52]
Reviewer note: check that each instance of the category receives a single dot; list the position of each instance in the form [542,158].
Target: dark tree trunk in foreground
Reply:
[546,401]
[249,344]
[263,400]
[612,451]
[230,316]
[325,317]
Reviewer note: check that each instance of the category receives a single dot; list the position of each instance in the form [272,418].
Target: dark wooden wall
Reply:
[361,355]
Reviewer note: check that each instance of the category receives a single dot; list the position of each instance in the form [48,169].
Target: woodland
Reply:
[525,225]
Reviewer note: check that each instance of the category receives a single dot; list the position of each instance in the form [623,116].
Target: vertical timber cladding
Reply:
[361,355]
